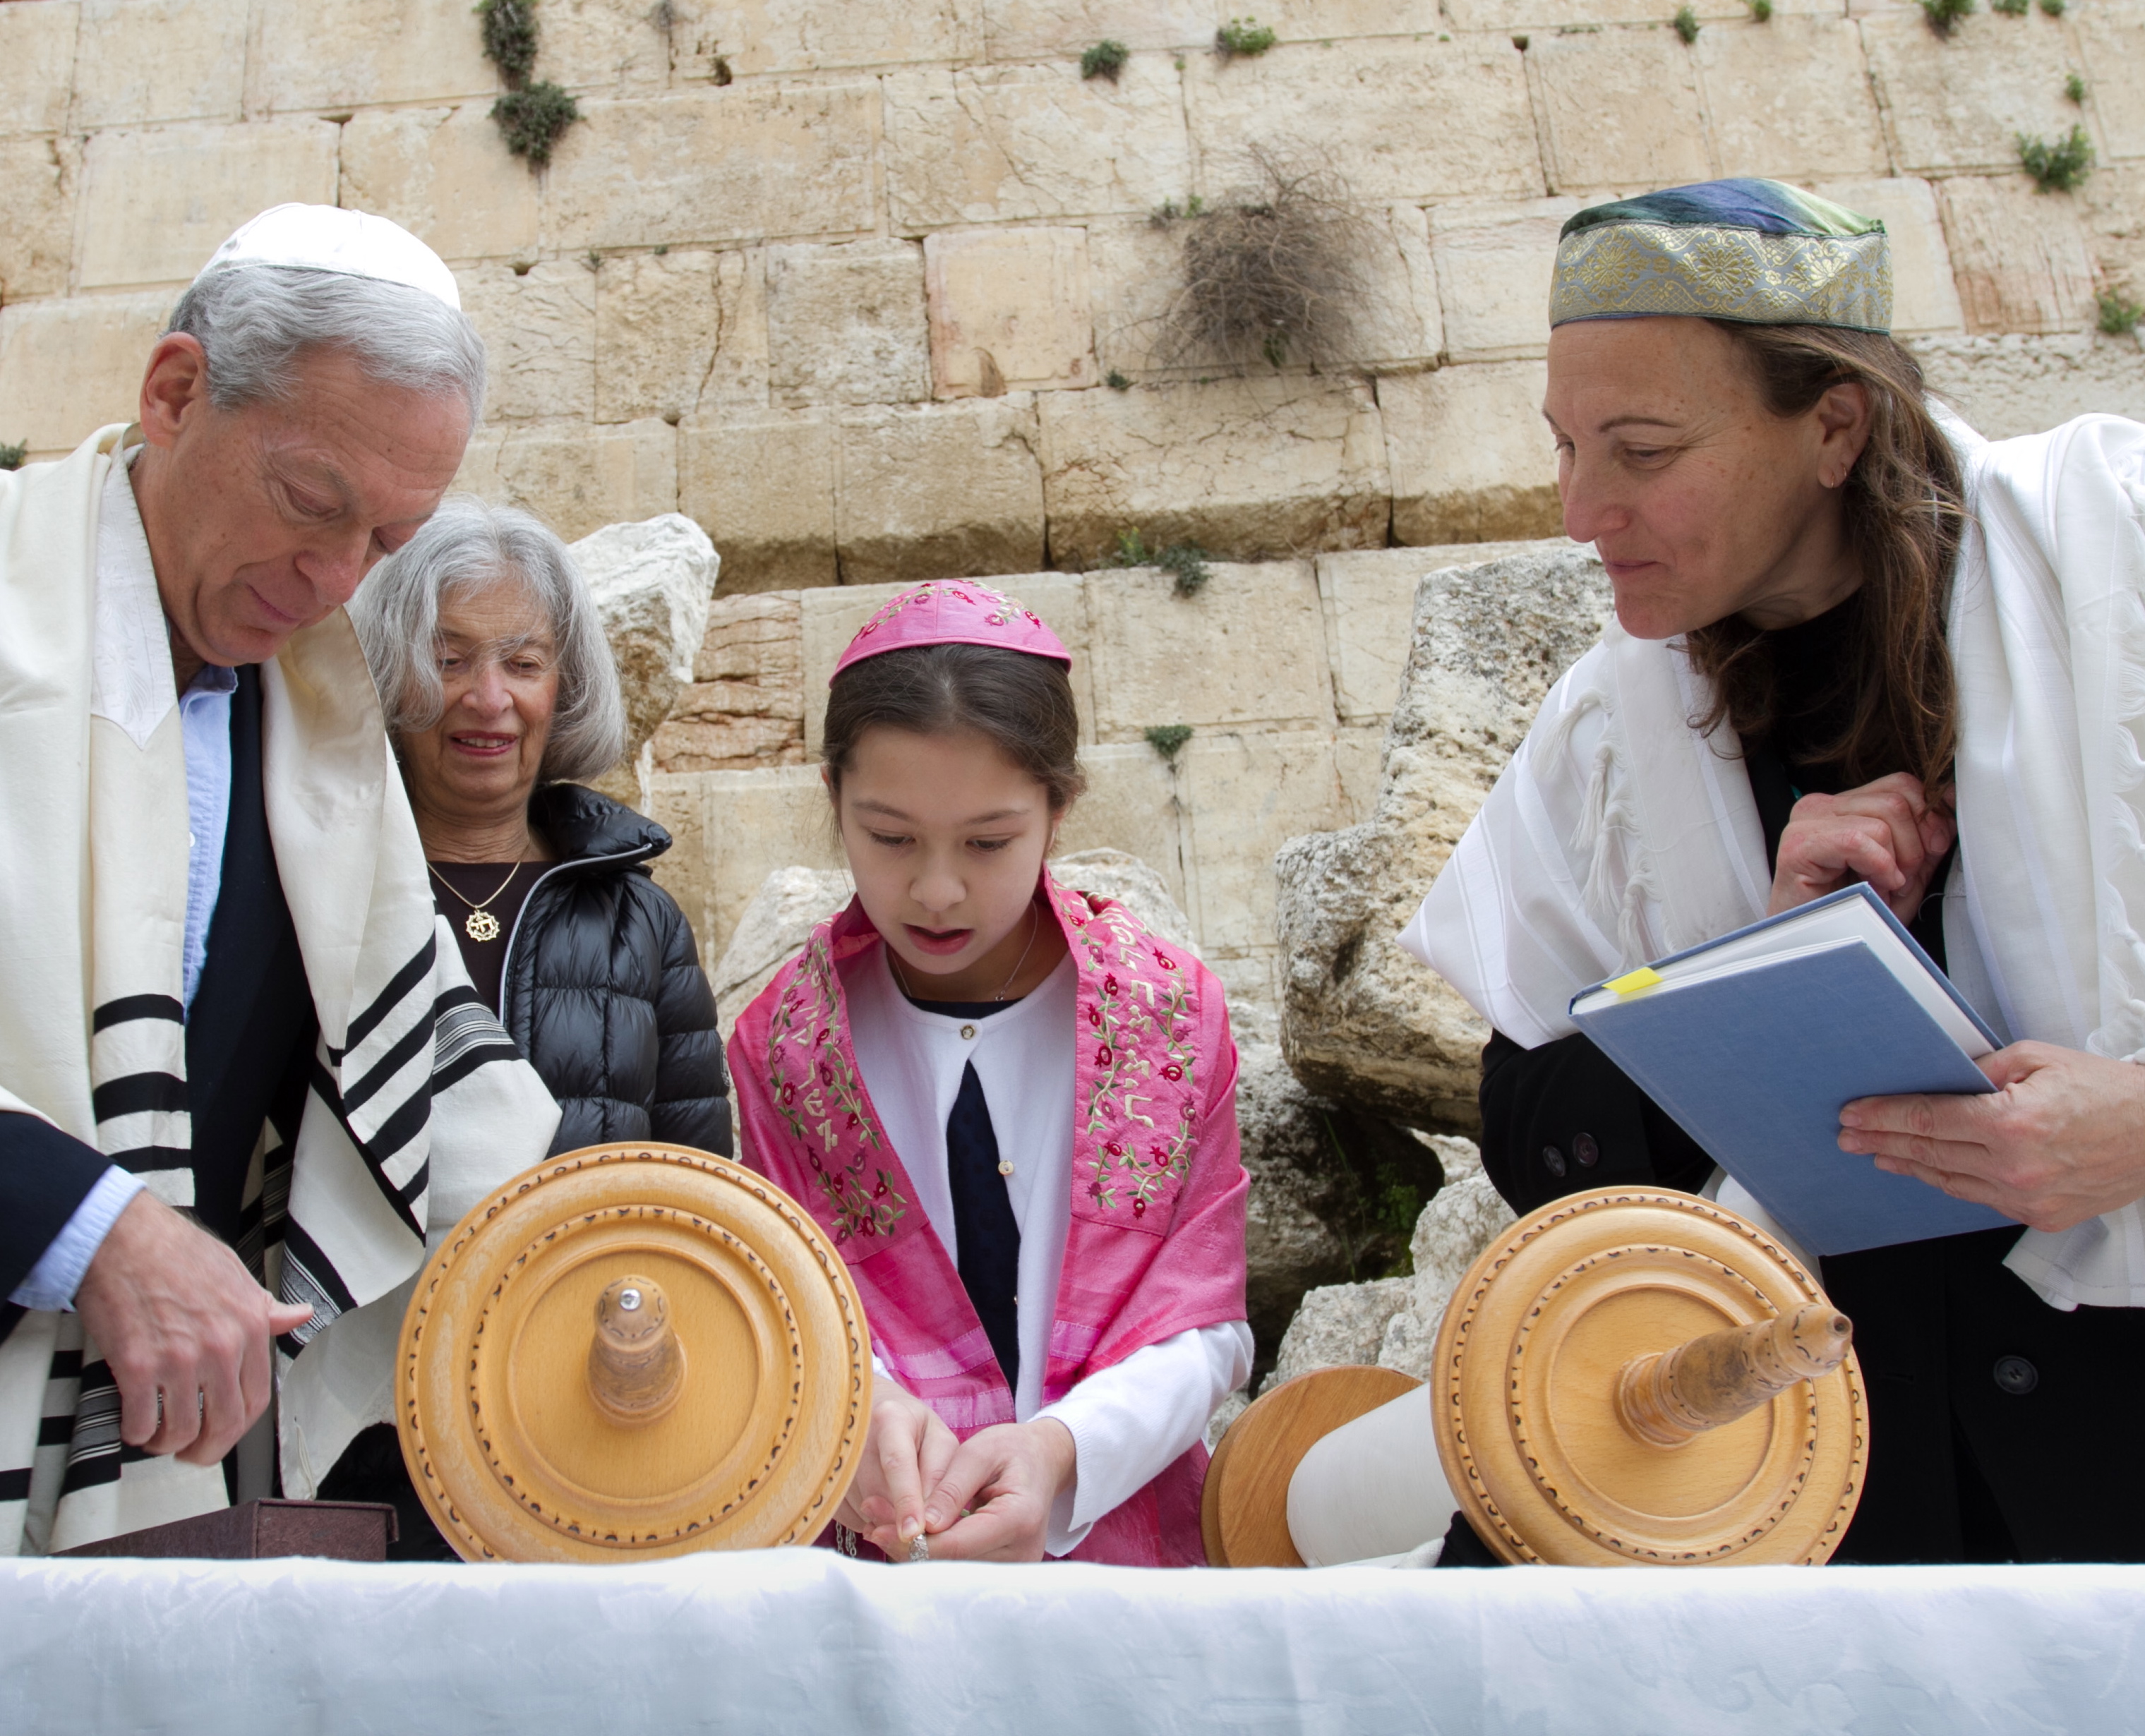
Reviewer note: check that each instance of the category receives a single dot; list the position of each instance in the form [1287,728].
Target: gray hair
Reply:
[469,545]
[256,321]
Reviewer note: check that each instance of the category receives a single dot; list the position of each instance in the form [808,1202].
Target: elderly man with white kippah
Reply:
[242,1076]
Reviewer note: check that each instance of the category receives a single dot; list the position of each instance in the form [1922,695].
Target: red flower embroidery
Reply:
[1095,1016]
[1139,1208]
[1102,1055]
[879,1192]
[788,1093]
[1165,960]
[1109,985]
[1173,1072]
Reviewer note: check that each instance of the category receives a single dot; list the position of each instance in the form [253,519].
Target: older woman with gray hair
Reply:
[501,693]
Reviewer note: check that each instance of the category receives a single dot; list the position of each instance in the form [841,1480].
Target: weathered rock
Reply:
[790,903]
[1618,109]
[942,491]
[538,326]
[1339,1325]
[1789,98]
[38,181]
[2018,258]
[1361,1022]
[577,478]
[1470,459]
[845,324]
[764,486]
[445,175]
[67,367]
[744,705]
[1961,104]
[165,61]
[1009,309]
[652,582]
[2015,384]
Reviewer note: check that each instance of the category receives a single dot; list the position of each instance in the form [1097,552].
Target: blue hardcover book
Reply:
[1754,1043]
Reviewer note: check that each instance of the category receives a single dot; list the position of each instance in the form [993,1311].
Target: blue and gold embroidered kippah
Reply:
[1760,252]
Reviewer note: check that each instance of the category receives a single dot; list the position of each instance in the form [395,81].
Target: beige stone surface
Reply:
[156,204]
[999,143]
[445,175]
[1009,309]
[845,324]
[1471,459]
[1923,296]
[1960,102]
[2019,384]
[1425,119]
[67,368]
[2111,44]
[38,181]
[576,478]
[740,162]
[1789,98]
[141,62]
[1022,30]
[348,53]
[1131,804]
[1339,1325]
[1494,264]
[943,490]
[681,331]
[608,47]
[1245,652]
[1136,269]
[2019,256]
[763,486]
[2112,207]
[1405,321]
[1620,110]
[37,64]
[1368,595]
[732,830]
[540,336]
[1246,794]
[1300,21]
[832,617]
[808,36]
[754,649]
[1543,16]
[1244,468]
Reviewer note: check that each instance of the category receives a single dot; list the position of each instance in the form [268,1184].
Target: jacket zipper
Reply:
[513,934]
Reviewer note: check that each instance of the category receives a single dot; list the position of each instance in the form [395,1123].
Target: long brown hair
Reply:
[1906,510]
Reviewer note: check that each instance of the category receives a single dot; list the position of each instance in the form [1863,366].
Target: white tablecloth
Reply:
[802,1640]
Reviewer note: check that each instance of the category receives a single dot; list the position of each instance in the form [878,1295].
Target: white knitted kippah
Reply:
[326,238]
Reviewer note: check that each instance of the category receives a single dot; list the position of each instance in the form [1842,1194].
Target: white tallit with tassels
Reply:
[1619,832]
[418,1101]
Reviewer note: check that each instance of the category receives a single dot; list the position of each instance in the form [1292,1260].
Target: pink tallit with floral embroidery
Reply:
[1156,1245]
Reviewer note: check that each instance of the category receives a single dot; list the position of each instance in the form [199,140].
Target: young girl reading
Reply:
[1013,1111]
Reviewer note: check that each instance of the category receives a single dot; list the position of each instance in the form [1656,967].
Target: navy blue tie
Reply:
[984,1228]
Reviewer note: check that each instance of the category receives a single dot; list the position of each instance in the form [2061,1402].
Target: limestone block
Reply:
[1789,98]
[1549,15]
[740,162]
[1618,109]
[1248,980]
[576,477]
[1960,102]
[1356,753]
[1471,459]
[771,930]
[680,331]
[352,53]
[1924,298]
[1245,652]
[1315,21]
[2112,206]
[1361,1022]
[2012,385]
[832,617]
[1246,795]
[1368,595]
[733,829]
[764,487]
[810,36]
[540,337]
[1339,1325]
[1494,264]
[2111,41]
[2019,256]
[1406,317]
[1009,308]
[1037,143]
[607,47]
[1131,805]
[652,581]
[845,324]
[1022,30]
[445,175]
[1244,468]
[1402,120]
[138,63]
[156,204]
[1137,269]
[69,367]
[703,734]
[37,178]
[37,64]
[942,491]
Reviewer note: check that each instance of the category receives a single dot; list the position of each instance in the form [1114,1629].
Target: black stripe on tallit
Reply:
[55,1431]
[385,1068]
[303,1258]
[462,1043]
[392,1137]
[66,1365]
[14,1486]
[140,1159]
[418,970]
[139,1094]
[129,1007]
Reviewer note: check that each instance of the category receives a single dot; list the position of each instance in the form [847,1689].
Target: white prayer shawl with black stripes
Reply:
[417,1102]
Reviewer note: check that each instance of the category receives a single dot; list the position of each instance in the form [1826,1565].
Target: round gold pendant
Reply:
[481,925]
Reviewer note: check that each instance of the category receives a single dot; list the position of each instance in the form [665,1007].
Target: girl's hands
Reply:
[1004,1480]
[1889,833]
[907,1450]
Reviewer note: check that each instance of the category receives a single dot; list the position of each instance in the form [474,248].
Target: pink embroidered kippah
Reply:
[953,612]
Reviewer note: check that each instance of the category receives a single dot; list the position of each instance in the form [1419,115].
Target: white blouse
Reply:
[1130,1421]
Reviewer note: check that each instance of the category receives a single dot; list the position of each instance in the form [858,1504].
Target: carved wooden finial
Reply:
[636,1365]
[1670,1397]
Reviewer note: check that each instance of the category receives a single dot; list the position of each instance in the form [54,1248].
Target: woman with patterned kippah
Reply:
[1853,641]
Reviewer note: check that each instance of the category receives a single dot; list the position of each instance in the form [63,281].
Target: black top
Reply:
[500,889]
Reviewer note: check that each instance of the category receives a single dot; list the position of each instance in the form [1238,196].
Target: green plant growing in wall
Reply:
[1105,60]
[1116,382]
[2054,8]
[2074,88]
[1186,562]
[1942,15]
[1686,25]
[2011,8]
[1168,739]
[1761,12]
[509,38]
[530,117]
[2059,167]
[1244,37]
[11,455]
[2118,313]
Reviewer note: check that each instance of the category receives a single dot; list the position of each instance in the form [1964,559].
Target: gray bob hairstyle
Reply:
[254,322]
[470,546]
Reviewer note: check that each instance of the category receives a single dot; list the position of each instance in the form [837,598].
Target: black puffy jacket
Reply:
[604,990]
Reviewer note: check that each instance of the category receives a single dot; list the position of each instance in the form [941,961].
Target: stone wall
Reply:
[846,280]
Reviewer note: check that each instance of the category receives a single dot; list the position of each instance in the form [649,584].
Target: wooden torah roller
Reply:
[1624,1376]
[632,1351]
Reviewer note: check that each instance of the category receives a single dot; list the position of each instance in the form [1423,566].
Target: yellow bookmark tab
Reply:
[1645,976]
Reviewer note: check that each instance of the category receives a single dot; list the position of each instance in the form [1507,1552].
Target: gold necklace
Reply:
[480,924]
